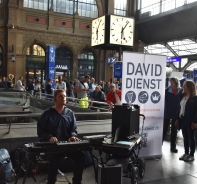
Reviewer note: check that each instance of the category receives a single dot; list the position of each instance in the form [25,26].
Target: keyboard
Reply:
[62,146]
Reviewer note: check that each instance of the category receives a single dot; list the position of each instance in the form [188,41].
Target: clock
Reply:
[98,31]
[121,30]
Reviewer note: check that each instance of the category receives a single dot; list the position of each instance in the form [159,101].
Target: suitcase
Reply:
[7,173]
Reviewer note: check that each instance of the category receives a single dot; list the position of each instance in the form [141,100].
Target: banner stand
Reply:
[143,83]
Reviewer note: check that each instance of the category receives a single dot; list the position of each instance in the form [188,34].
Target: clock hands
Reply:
[122,31]
[125,26]
[97,34]
[97,29]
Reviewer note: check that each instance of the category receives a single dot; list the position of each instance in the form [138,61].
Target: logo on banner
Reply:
[130,97]
[155,97]
[143,97]
[51,70]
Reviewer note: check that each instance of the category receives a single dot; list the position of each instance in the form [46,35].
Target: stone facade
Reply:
[21,27]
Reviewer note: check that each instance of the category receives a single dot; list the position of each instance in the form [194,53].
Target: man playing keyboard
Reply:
[56,124]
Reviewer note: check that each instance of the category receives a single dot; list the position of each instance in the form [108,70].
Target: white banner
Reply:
[143,83]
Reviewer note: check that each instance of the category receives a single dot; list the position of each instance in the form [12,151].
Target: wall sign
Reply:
[50,63]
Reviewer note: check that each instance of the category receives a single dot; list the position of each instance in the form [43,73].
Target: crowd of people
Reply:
[85,90]
[5,83]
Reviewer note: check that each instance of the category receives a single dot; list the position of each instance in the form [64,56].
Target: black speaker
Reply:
[126,118]
[110,174]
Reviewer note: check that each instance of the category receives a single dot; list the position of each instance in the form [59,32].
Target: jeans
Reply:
[173,132]
[56,159]
[189,139]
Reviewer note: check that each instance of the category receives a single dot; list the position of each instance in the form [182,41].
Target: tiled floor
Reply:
[167,170]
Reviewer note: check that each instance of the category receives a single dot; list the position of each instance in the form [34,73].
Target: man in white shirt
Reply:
[60,84]
[19,84]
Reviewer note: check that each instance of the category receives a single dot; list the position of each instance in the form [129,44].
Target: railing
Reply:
[94,105]
[12,105]
[14,98]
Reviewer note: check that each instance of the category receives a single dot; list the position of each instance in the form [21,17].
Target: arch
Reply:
[35,63]
[41,44]
[68,47]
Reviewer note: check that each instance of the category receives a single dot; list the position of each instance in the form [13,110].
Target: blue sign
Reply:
[111,60]
[117,70]
[195,75]
[50,63]
[173,59]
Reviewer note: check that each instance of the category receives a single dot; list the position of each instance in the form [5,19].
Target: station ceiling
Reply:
[173,33]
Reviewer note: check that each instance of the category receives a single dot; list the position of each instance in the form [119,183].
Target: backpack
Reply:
[7,173]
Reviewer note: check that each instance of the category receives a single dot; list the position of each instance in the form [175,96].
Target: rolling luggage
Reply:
[7,173]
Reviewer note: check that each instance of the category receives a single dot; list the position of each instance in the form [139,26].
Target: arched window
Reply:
[120,7]
[63,58]
[35,63]
[35,50]
[85,63]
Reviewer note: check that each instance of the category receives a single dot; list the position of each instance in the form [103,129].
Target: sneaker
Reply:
[183,157]
[189,158]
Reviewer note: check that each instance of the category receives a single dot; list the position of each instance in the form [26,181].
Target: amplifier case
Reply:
[113,174]
[127,118]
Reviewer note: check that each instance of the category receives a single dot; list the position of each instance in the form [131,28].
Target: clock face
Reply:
[98,31]
[121,30]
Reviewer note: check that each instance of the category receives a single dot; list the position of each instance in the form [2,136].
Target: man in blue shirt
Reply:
[58,123]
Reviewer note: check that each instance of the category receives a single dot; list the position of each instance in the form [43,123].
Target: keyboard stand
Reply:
[27,162]
[26,166]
